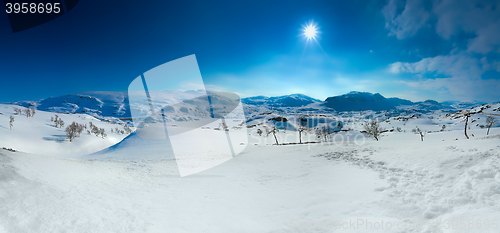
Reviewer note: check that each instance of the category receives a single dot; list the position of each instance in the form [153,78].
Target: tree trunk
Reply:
[275,138]
[488,133]
[466,121]
[300,137]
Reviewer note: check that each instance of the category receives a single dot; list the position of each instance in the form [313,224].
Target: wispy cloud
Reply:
[460,73]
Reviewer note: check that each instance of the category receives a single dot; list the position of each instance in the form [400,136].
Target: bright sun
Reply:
[310,31]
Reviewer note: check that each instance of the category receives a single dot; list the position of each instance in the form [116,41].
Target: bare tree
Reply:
[323,132]
[27,112]
[33,111]
[95,130]
[273,131]
[466,122]
[303,129]
[71,131]
[490,121]
[223,126]
[373,129]
[102,133]
[11,122]
[127,129]
[74,130]
[17,111]
[420,132]
[58,122]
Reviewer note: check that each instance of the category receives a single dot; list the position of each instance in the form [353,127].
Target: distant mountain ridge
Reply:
[102,103]
[116,104]
[361,101]
[293,100]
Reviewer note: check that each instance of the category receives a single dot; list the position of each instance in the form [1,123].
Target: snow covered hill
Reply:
[294,100]
[360,101]
[97,103]
[38,134]
[115,105]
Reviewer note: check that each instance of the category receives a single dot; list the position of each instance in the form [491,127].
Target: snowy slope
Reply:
[37,134]
[264,190]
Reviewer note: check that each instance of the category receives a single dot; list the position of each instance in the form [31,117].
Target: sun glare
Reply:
[310,31]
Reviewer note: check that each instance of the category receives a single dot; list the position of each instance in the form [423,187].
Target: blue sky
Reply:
[443,50]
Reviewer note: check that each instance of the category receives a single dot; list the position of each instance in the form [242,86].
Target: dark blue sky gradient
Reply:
[247,47]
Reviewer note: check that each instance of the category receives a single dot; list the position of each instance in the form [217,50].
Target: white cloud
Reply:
[450,17]
[487,40]
[462,70]
[462,76]
[409,21]
[459,65]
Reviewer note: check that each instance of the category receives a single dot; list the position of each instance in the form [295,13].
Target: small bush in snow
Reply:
[259,132]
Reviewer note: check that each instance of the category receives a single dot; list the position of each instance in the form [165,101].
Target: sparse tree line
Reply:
[371,128]
[126,130]
[28,112]
[75,129]
[322,133]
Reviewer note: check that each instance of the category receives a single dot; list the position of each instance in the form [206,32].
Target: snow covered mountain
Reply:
[113,105]
[97,103]
[397,101]
[294,100]
[429,105]
[463,104]
[360,101]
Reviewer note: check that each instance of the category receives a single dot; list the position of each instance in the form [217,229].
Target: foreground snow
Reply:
[445,183]
[256,192]
[295,188]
